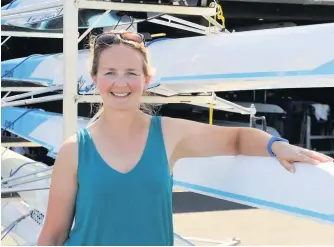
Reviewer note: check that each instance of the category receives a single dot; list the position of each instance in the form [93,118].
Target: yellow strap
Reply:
[158,35]
[211,114]
[220,15]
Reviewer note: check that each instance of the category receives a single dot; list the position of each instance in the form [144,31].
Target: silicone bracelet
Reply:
[270,144]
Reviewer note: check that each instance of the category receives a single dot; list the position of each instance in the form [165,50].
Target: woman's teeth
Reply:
[120,94]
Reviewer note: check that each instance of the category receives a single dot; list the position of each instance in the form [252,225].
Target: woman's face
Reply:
[120,77]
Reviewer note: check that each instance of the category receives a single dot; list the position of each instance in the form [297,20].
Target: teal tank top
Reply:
[133,209]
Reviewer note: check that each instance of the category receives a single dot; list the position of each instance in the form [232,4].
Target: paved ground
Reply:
[200,216]
[205,217]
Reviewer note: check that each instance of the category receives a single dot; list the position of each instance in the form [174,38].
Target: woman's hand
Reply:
[287,154]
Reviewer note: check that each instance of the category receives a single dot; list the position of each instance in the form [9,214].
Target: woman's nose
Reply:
[119,81]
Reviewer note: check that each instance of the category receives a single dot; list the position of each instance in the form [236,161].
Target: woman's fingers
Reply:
[304,156]
[315,155]
[288,166]
[308,159]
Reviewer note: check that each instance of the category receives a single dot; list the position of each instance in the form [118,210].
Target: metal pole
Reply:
[32,34]
[308,132]
[70,44]
[93,25]
[155,99]
[98,114]
[238,108]
[28,94]
[175,25]
[29,181]
[155,8]
[33,101]
[3,98]
[14,223]
[15,190]
[6,180]
[5,40]
[184,22]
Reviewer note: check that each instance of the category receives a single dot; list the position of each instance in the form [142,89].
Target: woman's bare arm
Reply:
[193,139]
[60,211]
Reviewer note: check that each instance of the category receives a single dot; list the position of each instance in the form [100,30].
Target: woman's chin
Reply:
[115,106]
[120,103]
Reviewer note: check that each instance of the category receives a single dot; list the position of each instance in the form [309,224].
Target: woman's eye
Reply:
[110,73]
[132,73]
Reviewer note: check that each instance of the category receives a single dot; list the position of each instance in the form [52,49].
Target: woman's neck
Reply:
[115,123]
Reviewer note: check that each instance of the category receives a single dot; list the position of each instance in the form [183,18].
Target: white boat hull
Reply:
[263,183]
[261,59]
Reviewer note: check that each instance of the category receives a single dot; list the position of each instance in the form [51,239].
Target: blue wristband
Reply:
[271,141]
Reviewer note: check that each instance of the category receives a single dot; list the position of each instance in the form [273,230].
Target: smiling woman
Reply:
[114,176]
[135,72]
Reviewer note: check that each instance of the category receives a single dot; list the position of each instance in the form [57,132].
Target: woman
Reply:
[115,178]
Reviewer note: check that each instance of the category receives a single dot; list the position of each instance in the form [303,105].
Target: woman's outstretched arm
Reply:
[201,140]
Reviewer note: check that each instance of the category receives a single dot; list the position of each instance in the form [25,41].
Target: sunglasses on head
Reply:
[109,38]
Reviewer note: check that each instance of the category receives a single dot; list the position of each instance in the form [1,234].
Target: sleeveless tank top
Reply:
[133,209]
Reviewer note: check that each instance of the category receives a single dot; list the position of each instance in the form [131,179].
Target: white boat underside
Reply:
[260,59]
[170,88]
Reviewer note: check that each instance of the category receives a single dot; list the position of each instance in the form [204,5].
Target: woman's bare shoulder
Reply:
[70,144]
[68,153]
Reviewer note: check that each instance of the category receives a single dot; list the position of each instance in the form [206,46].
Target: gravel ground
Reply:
[201,216]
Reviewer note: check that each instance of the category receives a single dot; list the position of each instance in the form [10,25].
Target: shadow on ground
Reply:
[189,202]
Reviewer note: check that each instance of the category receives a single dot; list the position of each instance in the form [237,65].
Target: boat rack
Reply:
[70,96]
[69,92]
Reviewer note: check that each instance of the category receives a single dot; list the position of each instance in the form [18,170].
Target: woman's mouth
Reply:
[120,94]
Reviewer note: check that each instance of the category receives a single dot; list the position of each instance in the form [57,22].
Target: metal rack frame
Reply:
[70,94]
[71,39]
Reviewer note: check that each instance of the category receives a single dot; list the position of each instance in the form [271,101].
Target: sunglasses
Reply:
[109,38]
